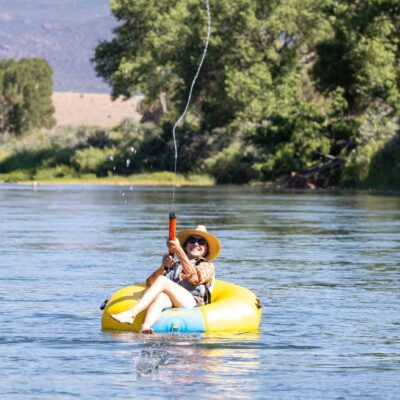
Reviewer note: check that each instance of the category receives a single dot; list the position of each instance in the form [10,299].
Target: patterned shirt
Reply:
[201,271]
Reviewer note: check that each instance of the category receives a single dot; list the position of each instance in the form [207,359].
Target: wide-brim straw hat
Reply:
[214,246]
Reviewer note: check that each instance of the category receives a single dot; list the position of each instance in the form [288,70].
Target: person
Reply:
[184,283]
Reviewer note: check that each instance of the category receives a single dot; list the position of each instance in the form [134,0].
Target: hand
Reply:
[168,261]
[174,246]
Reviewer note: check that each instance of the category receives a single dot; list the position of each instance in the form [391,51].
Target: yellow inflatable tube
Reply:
[233,309]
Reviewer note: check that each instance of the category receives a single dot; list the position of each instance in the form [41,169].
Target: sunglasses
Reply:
[200,241]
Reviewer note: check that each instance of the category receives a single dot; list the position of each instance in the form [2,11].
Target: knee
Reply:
[162,279]
[158,298]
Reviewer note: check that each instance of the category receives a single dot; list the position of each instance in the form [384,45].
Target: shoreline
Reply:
[266,186]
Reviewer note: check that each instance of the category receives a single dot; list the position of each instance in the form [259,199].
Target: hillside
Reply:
[64,33]
[92,109]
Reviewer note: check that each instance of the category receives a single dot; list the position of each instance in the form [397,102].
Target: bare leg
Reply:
[155,309]
[178,295]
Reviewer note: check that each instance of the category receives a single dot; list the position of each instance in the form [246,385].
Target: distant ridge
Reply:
[64,33]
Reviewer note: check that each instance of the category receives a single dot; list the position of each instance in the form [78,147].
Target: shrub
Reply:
[17,176]
[232,165]
[94,160]
[377,149]
[289,142]
[60,171]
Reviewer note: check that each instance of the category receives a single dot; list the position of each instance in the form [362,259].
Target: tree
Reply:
[251,63]
[362,56]
[26,88]
[286,80]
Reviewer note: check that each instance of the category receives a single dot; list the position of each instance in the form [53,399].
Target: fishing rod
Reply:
[190,97]
[172,229]
[172,216]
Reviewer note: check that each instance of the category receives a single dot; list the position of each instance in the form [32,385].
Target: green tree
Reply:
[362,56]
[285,82]
[252,63]
[26,88]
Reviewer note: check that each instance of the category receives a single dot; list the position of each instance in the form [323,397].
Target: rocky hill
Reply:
[62,32]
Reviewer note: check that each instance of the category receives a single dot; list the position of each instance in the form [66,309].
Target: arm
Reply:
[166,263]
[204,272]
[195,274]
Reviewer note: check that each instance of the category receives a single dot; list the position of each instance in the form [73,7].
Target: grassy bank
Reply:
[145,179]
[129,155]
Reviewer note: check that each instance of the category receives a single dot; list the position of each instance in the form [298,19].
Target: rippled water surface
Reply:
[325,266]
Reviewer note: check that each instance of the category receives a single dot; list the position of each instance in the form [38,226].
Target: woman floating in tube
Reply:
[184,283]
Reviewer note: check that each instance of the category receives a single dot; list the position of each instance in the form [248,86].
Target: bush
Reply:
[358,165]
[17,176]
[289,142]
[60,171]
[373,161]
[384,172]
[232,165]
[94,160]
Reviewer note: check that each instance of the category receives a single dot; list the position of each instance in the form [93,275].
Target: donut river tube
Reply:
[233,309]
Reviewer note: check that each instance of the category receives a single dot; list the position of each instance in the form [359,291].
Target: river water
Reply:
[325,267]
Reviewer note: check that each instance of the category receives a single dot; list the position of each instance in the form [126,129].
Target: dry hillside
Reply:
[92,109]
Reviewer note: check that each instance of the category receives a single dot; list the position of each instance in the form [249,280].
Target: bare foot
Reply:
[125,317]
[147,331]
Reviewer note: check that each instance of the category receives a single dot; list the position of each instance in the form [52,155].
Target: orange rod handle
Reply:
[172,228]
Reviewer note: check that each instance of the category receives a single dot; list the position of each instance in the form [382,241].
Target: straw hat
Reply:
[214,246]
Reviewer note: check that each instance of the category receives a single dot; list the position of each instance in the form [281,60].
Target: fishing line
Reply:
[189,98]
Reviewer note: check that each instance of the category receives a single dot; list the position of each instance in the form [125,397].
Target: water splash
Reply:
[189,98]
[150,360]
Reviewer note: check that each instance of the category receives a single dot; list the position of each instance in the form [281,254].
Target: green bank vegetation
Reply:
[304,93]
[88,155]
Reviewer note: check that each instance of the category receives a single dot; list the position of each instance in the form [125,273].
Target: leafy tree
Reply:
[26,88]
[251,64]
[290,142]
[285,82]
[362,56]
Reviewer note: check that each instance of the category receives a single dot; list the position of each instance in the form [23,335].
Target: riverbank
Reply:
[166,179]
[145,179]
